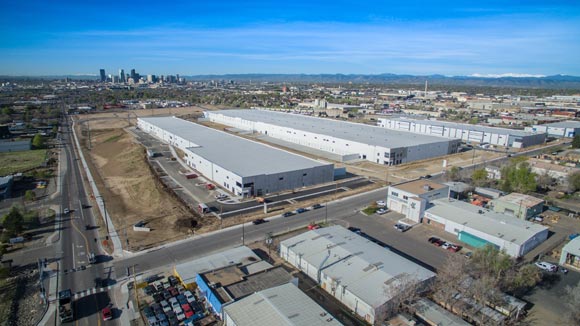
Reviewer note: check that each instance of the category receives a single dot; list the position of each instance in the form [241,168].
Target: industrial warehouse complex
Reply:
[348,140]
[243,167]
[558,129]
[466,132]
[359,273]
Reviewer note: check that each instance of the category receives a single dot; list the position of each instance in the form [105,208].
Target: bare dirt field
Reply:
[133,194]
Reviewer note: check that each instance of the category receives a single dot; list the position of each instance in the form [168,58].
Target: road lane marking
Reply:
[74,257]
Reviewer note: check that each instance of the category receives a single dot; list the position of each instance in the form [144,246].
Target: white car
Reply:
[446,245]
[166,307]
[381,203]
[180,316]
[174,303]
[382,211]
[546,266]
[66,211]
[189,296]
[177,310]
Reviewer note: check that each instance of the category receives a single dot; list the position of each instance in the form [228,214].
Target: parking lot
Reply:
[164,301]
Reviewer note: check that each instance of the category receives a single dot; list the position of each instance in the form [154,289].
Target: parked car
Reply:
[316,206]
[157,308]
[538,219]
[148,312]
[432,239]
[187,310]
[301,210]
[468,254]
[174,303]
[546,266]
[180,316]
[355,230]
[209,186]
[438,242]
[165,306]
[401,227]
[149,290]
[258,221]
[446,245]
[382,211]
[173,291]
[454,248]
[66,211]
[287,214]
[107,314]
[166,295]
[189,296]
[181,299]
[381,203]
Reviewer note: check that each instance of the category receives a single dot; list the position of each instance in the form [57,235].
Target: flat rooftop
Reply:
[448,124]
[520,199]
[419,187]
[573,247]
[564,124]
[239,155]
[281,305]
[356,132]
[363,267]
[499,225]
[436,315]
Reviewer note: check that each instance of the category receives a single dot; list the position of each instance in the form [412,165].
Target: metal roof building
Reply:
[433,314]
[466,132]
[571,254]
[361,274]
[239,165]
[281,305]
[351,140]
[478,226]
[558,129]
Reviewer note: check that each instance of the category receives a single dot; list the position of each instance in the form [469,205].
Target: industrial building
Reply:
[557,129]
[359,273]
[242,167]
[432,314]
[571,254]
[412,197]
[518,205]
[477,226]
[280,305]
[466,132]
[349,141]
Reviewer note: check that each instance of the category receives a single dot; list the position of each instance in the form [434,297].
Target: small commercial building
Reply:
[466,132]
[228,284]
[518,205]
[432,314]
[348,140]
[240,166]
[359,273]
[412,197]
[477,226]
[187,271]
[571,254]
[558,129]
[280,305]
[556,171]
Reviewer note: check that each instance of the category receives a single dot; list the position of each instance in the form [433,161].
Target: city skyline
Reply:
[532,39]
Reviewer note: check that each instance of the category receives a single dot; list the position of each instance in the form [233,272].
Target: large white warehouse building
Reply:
[241,166]
[478,226]
[466,132]
[349,140]
[359,273]
[558,129]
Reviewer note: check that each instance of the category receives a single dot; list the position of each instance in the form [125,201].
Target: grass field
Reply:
[15,162]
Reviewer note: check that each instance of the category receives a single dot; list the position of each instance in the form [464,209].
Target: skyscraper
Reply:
[103,76]
[133,74]
[122,76]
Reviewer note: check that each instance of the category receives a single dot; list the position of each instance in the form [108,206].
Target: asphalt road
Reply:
[202,245]
[77,242]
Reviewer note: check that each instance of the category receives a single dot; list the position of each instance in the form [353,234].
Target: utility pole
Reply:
[243,235]
[325,212]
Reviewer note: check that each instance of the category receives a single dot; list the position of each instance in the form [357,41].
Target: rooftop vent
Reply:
[427,187]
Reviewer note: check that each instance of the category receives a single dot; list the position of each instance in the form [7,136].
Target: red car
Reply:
[173,291]
[107,314]
[187,310]
[439,243]
[209,186]
[454,248]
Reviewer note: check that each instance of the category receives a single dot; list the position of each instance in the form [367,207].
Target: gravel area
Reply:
[27,307]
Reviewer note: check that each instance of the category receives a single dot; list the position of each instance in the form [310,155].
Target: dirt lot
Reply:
[132,193]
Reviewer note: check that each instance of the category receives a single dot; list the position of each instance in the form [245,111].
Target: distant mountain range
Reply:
[550,82]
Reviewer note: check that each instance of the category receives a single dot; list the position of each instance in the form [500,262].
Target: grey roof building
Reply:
[558,129]
[351,140]
[239,165]
[361,274]
[281,305]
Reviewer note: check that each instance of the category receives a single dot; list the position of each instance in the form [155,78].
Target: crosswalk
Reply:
[87,292]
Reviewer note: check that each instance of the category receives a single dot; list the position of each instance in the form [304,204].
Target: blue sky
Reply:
[40,37]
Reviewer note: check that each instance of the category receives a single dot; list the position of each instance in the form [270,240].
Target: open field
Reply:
[15,162]
[133,194]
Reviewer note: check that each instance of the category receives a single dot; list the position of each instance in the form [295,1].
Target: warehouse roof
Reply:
[480,128]
[520,199]
[419,187]
[433,314]
[573,247]
[563,124]
[357,132]
[281,305]
[239,255]
[499,225]
[239,155]
[362,267]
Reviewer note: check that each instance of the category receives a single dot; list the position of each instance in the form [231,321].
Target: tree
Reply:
[518,177]
[573,302]
[479,177]
[544,180]
[403,291]
[453,174]
[29,195]
[13,221]
[38,141]
[576,142]
[524,278]
[449,280]
[574,181]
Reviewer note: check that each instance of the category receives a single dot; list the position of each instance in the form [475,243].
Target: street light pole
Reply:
[243,234]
